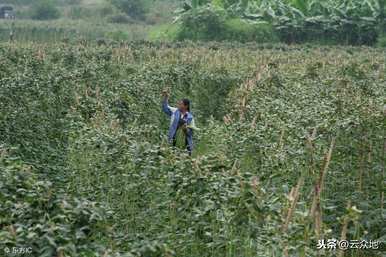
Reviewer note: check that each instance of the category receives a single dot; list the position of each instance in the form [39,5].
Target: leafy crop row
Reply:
[291,149]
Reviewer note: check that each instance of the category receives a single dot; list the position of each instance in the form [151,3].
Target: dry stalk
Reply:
[281,140]
[316,210]
[246,88]
[253,123]
[227,119]
[40,54]
[343,235]
[294,197]
[310,145]
[60,253]
[236,168]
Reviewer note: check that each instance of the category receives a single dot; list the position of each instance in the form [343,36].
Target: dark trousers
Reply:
[186,144]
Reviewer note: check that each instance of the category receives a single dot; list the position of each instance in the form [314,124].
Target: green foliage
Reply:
[298,21]
[86,170]
[36,215]
[381,41]
[45,10]
[134,8]
[163,33]
[89,12]
[244,31]
[75,30]
[161,12]
[208,24]
[202,24]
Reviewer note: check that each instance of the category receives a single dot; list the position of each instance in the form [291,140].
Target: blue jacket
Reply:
[175,115]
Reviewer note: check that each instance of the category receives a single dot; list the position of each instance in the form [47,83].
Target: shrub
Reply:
[45,10]
[202,24]
[133,8]
[213,24]
[239,30]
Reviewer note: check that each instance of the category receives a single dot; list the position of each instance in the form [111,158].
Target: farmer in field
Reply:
[182,123]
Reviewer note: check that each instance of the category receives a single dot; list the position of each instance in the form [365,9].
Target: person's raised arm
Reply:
[165,103]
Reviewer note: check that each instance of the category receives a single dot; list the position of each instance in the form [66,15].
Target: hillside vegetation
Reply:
[326,22]
[290,149]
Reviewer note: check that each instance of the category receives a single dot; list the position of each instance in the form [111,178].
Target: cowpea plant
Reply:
[290,149]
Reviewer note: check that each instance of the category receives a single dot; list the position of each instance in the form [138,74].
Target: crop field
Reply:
[290,150]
